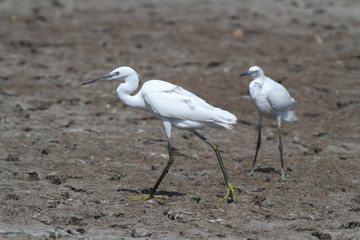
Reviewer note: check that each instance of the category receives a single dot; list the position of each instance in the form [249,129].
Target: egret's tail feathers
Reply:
[225,125]
[225,119]
[289,116]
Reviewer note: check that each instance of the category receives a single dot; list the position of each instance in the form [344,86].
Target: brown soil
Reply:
[71,155]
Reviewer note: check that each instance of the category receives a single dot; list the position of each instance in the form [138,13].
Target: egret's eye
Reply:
[117,73]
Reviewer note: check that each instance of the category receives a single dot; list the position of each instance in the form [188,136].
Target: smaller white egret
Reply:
[174,106]
[271,100]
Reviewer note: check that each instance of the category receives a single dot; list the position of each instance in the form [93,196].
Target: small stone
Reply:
[140,232]
[238,33]
[33,176]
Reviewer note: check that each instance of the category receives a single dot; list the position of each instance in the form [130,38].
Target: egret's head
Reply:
[254,72]
[120,73]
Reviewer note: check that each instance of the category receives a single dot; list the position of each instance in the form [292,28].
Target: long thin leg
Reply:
[167,126]
[278,121]
[258,144]
[216,149]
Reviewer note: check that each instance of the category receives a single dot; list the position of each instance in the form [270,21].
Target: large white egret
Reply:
[174,106]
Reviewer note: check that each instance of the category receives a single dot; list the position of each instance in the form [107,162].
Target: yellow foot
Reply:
[230,192]
[144,198]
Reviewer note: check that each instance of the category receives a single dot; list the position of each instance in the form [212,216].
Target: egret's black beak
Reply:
[246,73]
[97,79]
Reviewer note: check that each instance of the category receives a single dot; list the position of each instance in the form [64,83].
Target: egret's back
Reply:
[282,101]
[183,107]
[278,96]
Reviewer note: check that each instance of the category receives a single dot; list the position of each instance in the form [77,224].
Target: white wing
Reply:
[174,102]
[278,96]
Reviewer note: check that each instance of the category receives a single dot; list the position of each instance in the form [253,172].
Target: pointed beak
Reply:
[97,79]
[246,73]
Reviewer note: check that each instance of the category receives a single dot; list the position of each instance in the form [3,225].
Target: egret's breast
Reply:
[261,102]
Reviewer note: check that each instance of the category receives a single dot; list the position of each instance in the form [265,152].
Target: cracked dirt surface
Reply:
[71,156]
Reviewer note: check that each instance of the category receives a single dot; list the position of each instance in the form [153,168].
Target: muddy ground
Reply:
[71,155]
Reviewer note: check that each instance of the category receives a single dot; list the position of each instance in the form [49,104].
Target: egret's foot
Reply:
[230,192]
[251,173]
[144,198]
[284,178]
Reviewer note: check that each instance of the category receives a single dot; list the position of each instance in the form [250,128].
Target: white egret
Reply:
[271,100]
[174,106]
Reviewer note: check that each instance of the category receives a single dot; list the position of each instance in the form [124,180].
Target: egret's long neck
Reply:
[259,81]
[125,89]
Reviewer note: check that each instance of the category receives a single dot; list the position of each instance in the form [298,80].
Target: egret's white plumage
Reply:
[174,106]
[271,100]
[184,109]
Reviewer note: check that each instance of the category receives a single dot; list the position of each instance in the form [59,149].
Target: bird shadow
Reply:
[267,170]
[163,193]
[157,193]
[127,190]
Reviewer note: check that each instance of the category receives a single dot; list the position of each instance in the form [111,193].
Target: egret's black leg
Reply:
[166,170]
[167,126]
[283,177]
[278,121]
[230,190]
[258,144]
